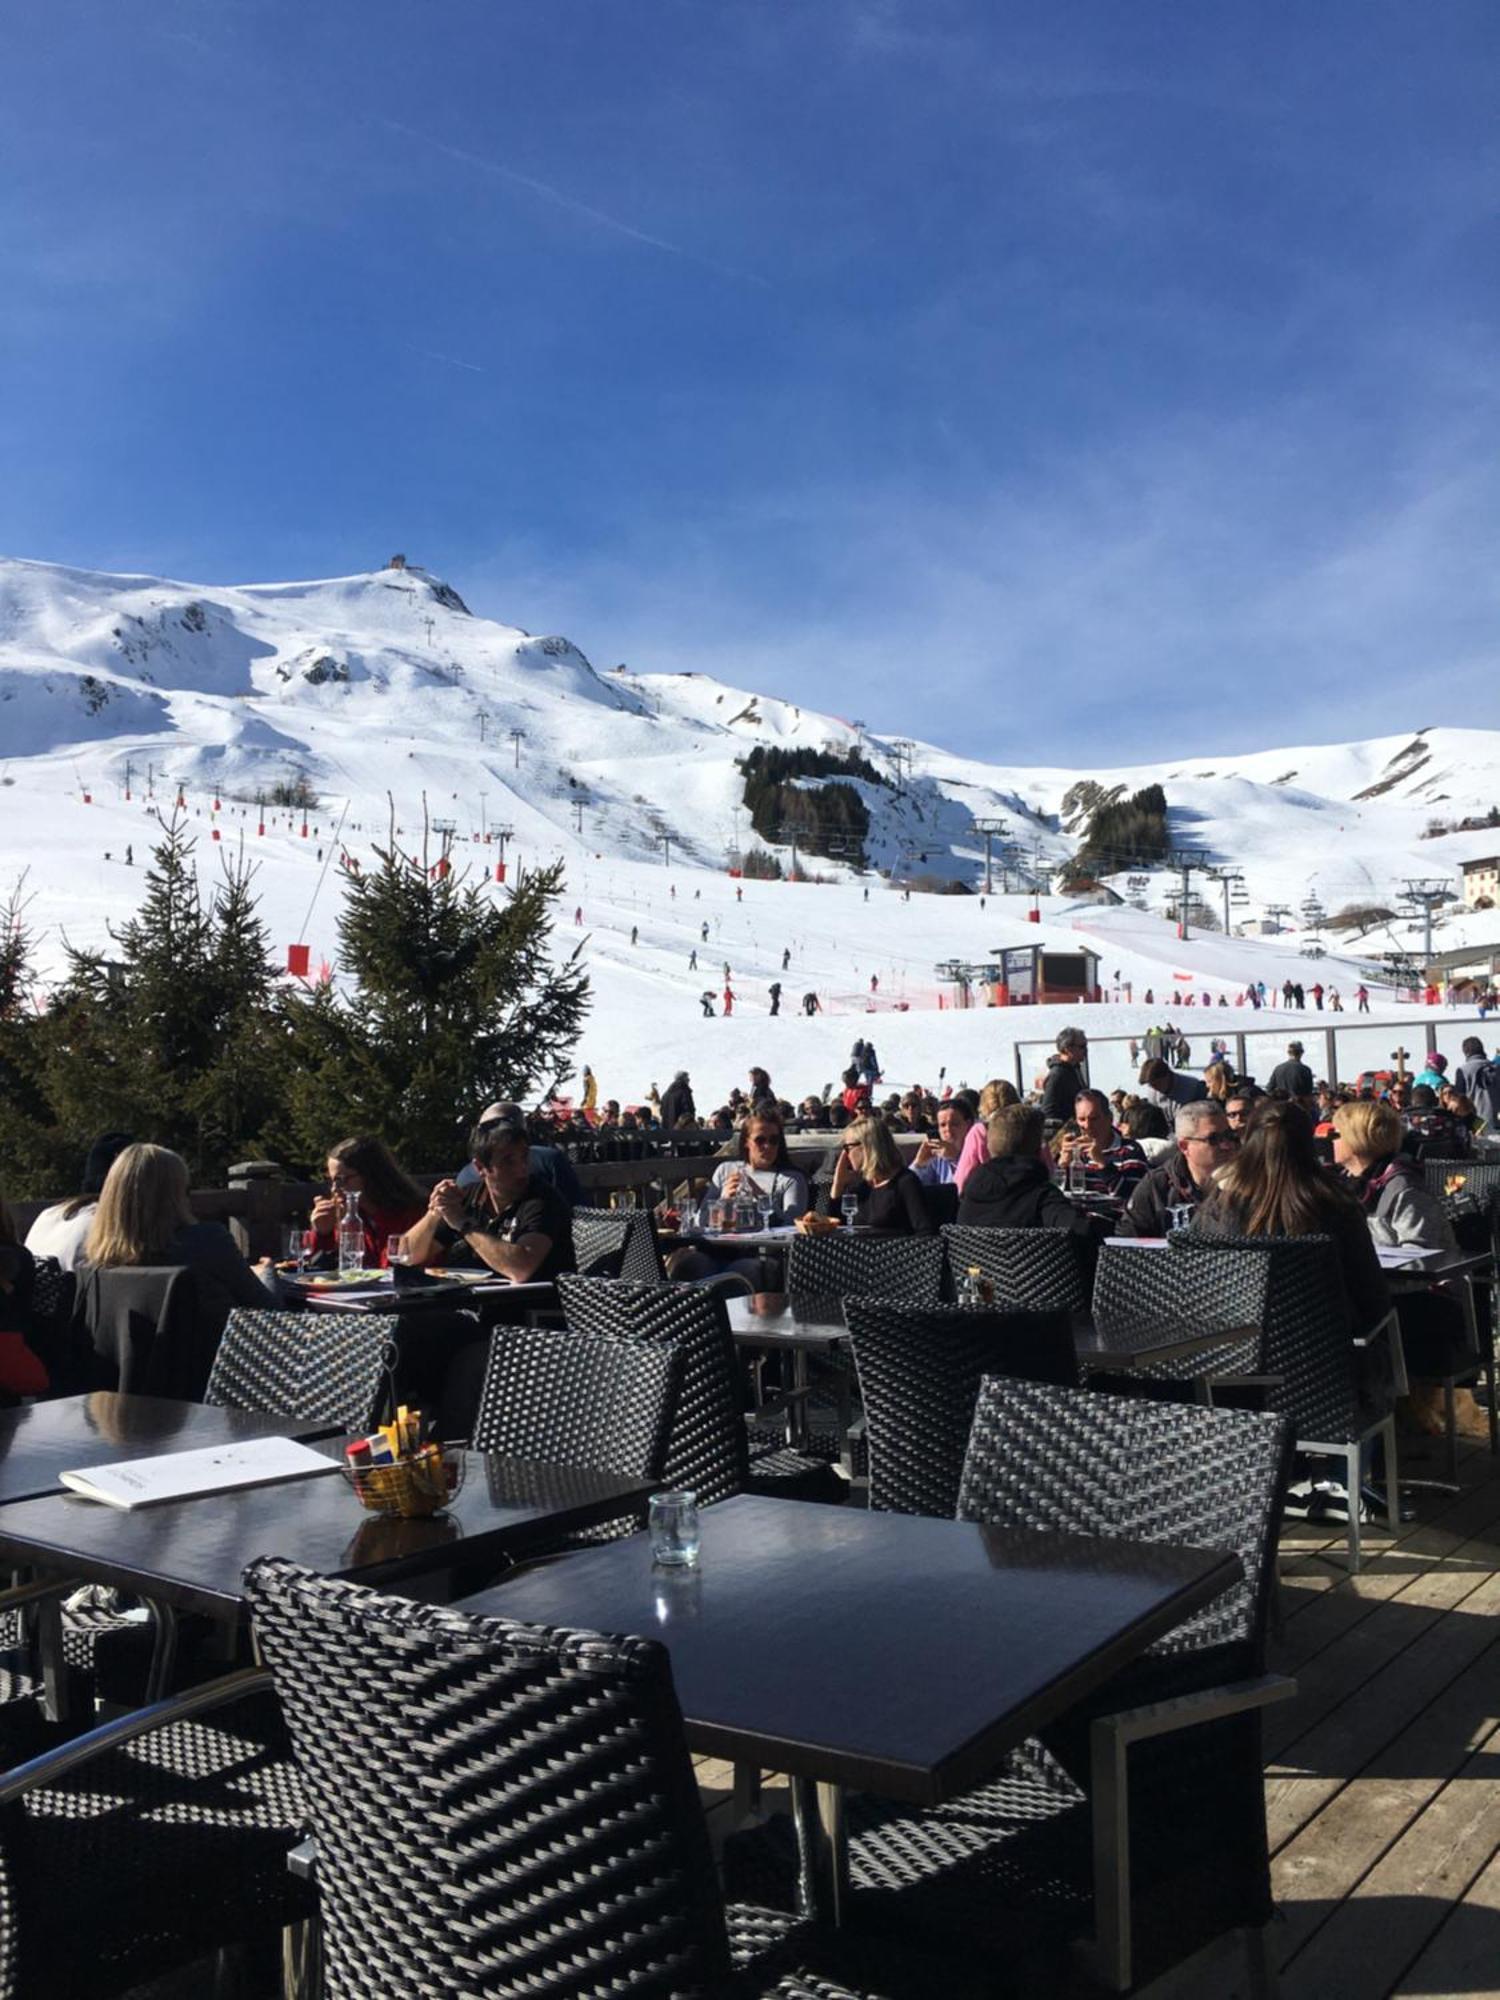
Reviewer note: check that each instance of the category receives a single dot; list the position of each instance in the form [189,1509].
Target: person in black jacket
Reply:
[1064,1077]
[1012,1189]
[677,1103]
[1205,1142]
[1293,1076]
[890,1195]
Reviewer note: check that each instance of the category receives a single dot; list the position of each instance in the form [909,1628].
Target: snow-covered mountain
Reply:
[373,692]
[385,682]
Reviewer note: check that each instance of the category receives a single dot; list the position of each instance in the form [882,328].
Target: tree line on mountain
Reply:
[1122,833]
[827,818]
[186,1034]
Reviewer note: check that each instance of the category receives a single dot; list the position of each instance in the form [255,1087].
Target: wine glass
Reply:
[849,1208]
[296,1246]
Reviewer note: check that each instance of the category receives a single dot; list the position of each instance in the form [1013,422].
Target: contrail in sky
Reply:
[567,201]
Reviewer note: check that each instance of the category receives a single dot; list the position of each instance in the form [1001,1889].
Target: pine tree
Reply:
[32,1151]
[455,1001]
[237,1097]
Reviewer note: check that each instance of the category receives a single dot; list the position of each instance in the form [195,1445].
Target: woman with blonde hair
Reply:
[870,1166]
[145,1217]
[1399,1209]
[997,1093]
[1219,1081]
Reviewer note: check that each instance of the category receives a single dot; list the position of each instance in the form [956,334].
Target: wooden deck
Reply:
[1383,1779]
[1383,1775]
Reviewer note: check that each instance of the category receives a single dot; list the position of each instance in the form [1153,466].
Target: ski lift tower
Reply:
[1426,893]
[1225,877]
[989,828]
[1186,862]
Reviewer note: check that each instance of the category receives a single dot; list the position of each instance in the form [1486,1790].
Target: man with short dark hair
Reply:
[1478,1078]
[1293,1076]
[551,1162]
[1111,1164]
[1064,1077]
[935,1164]
[511,1219]
[1204,1144]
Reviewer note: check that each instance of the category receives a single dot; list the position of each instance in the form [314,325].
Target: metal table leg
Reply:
[822,1851]
[796,1409]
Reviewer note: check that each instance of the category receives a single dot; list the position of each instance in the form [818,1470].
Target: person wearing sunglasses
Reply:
[1204,1144]
[761,1170]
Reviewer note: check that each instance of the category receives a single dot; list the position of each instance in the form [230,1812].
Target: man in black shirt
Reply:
[1065,1074]
[511,1219]
[1293,1076]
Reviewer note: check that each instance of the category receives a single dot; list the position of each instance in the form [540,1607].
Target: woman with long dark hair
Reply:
[389,1204]
[1276,1185]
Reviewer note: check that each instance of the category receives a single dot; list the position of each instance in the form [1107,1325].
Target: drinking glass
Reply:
[1078,1179]
[673,1523]
[1179,1216]
[849,1208]
[395,1251]
[296,1245]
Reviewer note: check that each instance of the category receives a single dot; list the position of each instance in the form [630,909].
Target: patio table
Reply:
[886,1652]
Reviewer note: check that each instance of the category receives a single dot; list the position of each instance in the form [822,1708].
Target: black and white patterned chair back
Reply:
[498,1808]
[885,1267]
[578,1399]
[1077,1462]
[52,1294]
[1306,1341]
[1036,1270]
[919,1371]
[332,1368]
[708,1450]
[617,1243]
[1214,1287]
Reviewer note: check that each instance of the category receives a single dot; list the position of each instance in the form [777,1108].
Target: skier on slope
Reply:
[775,996]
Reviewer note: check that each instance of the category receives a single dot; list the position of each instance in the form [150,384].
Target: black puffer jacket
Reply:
[1016,1193]
[1166,1187]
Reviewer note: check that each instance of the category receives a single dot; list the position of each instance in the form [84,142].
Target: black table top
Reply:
[381,1296]
[192,1553]
[1427,1270]
[73,1432]
[781,1319]
[1141,1346]
[888,1652]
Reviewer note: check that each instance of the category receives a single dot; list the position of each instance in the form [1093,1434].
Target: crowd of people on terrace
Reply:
[1216,1151]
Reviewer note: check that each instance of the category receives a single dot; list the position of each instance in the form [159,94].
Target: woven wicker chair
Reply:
[500,1808]
[1135,1289]
[578,1399]
[52,1295]
[709,1451]
[1337,1405]
[919,1371]
[886,1267]
[617,1243]
[1032,1270]
[330,1368]
[131,1852]
[1169,1749]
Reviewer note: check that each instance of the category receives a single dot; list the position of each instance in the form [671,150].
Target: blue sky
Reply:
[1063,382]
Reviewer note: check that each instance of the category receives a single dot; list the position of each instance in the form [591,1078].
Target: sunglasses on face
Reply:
[1214,1138]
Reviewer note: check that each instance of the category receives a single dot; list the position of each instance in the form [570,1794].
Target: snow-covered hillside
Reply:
[375,691]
